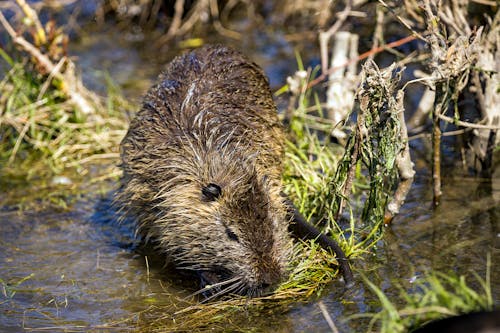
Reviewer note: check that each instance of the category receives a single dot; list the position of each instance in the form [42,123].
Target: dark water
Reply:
[76,269]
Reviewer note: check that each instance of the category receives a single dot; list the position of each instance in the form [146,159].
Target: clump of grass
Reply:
[434,297]
[46,113]
[310,176]
[38,122]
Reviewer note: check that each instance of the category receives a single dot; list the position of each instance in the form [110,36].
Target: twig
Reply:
[46,84]
[467,124]
[438,52]
[358,139]
[436,143]
[379,49]
[327,317]
[18,141]
[31,14]
[404,165]
[27,46]
[176,21]
[403,21]
[214,12]
[324,36]
[69,86]
[378,34]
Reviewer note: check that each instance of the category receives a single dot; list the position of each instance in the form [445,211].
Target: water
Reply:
[77,269]
[84,271]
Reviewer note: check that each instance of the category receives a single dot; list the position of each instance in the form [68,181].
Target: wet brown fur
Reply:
[210,119]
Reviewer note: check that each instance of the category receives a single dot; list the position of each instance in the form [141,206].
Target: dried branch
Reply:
[451,61]
[402,20]
[469,125]
[176,21]
[70,86]
[403,163]
[214,11]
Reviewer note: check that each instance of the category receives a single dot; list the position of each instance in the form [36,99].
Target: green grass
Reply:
[433,297]
[9,289]
[39,123]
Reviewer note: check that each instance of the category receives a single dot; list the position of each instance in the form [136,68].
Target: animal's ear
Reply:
[211,192]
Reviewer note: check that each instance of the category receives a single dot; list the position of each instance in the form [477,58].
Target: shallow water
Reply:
[83,271]
[77,269]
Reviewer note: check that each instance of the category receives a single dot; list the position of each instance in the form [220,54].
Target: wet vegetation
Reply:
[347,168]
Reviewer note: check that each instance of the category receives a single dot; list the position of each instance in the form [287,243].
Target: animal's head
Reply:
[221,215]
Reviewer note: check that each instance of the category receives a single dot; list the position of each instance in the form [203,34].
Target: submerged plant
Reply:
[9,289]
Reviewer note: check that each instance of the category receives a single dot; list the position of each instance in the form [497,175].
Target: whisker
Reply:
[222,292]
[241,289]
[212,286]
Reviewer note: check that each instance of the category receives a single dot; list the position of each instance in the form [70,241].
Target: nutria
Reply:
[202,164]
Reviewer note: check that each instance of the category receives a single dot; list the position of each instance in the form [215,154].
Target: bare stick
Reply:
[492,127]
[327,316]
[402,20]
[176,21]
[438,55]
[404,165]
[214,11]
[188,23]
[436,144]
[324,36]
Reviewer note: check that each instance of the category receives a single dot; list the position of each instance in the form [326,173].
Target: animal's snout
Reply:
[270,280]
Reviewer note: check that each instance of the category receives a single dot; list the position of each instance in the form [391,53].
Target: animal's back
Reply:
[213,92]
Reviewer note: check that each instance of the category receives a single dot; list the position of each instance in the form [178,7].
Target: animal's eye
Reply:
[232,236]
[211,192]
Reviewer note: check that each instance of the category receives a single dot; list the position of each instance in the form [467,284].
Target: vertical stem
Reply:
[290,110]
[40,36]
[436,144]
[404,165]
[177,20]
[346,190]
